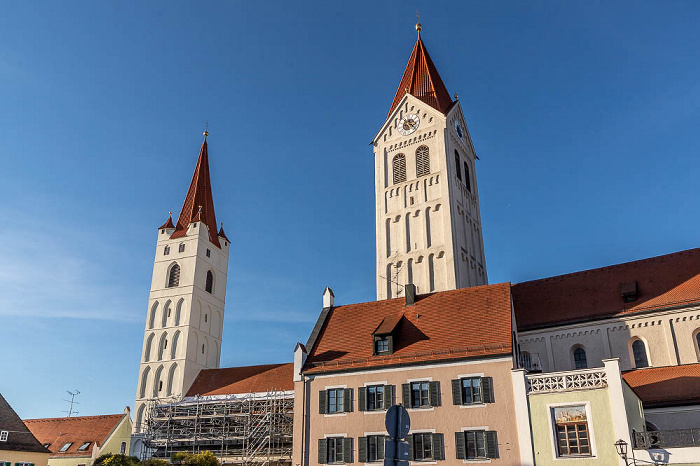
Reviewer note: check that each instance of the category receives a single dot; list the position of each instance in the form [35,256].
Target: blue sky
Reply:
[584,115]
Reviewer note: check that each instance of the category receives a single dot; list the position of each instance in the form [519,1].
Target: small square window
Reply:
[84,446]
[3,436]
[65,447]
[208,253]
[382,345]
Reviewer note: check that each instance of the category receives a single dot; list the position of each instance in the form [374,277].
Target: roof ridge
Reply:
[44,419]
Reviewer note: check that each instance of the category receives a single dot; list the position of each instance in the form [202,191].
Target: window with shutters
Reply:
[476,444]
[370,449]
[422,161]
[472,390]
[571,430]
[209,286]
[335,450]
[335,400]
[399,167]
[457,166]
[423,446]
[375,397]
[421,394]
[174,276]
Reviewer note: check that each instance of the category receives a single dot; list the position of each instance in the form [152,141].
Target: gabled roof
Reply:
[422,80]
[466,323]
[199,195]
[241,380]
[666,386]
[76,430]
[19,437]
[661,282]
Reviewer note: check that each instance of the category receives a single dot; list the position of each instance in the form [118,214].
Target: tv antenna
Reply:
[72,402]
[397,267]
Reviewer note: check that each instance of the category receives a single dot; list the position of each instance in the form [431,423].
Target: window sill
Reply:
[375,411]
[425,408]
[473,405]
[575,457]
[477,461]
[334,415]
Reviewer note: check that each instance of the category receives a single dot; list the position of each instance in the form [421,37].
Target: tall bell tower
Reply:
[185,313]
[427,199]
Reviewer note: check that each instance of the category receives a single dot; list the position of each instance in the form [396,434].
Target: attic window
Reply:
[47,445]
[84,446]
[383,344]
[3,436]
[628,291]
[65,447]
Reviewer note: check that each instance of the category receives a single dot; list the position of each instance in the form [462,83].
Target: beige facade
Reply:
[448,419]
[14,457]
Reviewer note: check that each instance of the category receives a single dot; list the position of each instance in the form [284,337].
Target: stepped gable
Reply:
[76,430]
[239,380]
[666,386]
[659,282]
[19,437]
[450,325]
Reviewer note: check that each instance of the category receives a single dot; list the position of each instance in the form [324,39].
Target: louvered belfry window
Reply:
[399,164]
[174,277]
[422,161]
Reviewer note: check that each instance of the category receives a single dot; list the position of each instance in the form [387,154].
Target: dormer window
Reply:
[382,344]
[383,336]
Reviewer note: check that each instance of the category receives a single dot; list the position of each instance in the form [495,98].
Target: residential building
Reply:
[185,315]
[18,446]
[428,220]
[78,440]
[447,357]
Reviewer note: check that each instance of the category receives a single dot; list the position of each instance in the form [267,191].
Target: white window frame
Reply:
[3,435]
[553,432]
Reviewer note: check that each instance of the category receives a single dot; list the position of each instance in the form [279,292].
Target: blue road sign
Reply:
[397,422]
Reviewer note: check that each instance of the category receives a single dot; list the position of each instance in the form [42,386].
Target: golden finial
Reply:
[206,130]
[200,209]
[456,96]
[170,214]
[418,25]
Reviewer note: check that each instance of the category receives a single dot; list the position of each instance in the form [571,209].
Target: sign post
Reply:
[397,423]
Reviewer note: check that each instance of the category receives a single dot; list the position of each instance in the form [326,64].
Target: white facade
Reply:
[184,322]
[428,221]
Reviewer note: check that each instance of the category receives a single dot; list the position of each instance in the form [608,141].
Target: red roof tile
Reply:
[222,234]
[199,195]
[169,224]
[239,380]
[458,324]
[663,281]
[423,81]
[76,430]
[665,386]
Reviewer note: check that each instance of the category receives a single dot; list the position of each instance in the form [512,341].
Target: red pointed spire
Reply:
[222,234]
[169,224]
[199,204]
[422,80]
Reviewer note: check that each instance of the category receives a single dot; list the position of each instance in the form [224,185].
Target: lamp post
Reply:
[621,447]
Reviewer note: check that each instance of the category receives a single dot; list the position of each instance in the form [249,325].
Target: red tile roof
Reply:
[222,234]
[666,386]
[198,196]
[465,323]
[240,380]
[169,224]
[423,81]
[663,281]
[76,430]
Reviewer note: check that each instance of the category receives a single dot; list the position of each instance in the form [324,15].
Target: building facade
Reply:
[428,220]
[185,314]
[18,446]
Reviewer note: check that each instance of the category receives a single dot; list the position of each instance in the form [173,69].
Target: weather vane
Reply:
[418,25]
[206,129]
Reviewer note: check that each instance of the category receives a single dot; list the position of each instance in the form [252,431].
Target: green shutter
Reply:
[487,389]
[388,396]
[347,400]
[460,446]
[322,402]
[434,392]
[322,451]
[409,439]
[406,394]
[457,392]
[347,450]
[362,400]
[438,441]
[491,444]
[362,449]
[380,446]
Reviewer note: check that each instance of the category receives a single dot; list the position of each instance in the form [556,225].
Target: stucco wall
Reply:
[446,419]
[121,434]
[71,461]
[600,425]
[633,408]
[39,459]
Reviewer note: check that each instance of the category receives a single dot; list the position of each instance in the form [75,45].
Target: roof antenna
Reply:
[206,130]
[72,402]
[418,25]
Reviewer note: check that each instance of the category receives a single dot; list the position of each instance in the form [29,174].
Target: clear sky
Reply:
[585,116]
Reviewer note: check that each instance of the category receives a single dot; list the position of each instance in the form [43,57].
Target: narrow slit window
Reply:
[457,166]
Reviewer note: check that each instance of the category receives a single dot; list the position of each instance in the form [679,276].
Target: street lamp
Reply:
[621,447]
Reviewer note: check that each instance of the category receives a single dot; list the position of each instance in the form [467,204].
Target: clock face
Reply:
[460,131]
[409,124]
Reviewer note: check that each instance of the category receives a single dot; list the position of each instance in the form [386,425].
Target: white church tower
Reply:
[427,199]
[186,304]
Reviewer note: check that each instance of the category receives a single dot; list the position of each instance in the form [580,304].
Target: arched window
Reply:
[147,351]
[467,178]
[162,345]
[166,314]
[144,382]
[158,382]
[166,250]
[178,311]
[399,164]
[697,340]
[422,161]
[173,352]
[174,276]
[457,166]
[171,378]
[152,317]
[639,351]
[580,361]
[210,282]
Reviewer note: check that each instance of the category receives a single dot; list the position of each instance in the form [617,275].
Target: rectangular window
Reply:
[336,397]
[208,253]
[571,430]
[85,445]
[371,448]
[3,435]
[375,397]
[476,444]
[181,248]
[65,447]
[335,449]
[471,390]
[382,345]
[420,395]
[422,447]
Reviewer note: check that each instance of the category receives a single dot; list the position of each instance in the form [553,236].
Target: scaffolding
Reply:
[251,429]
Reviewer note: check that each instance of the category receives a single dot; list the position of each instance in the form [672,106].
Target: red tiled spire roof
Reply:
[422,80]
[169,224]
[222,234]
[198,195]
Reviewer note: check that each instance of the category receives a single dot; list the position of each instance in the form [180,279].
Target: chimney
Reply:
[328,298]
[410,293]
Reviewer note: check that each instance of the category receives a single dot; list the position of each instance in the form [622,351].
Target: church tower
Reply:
[427,199]
[186,304]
